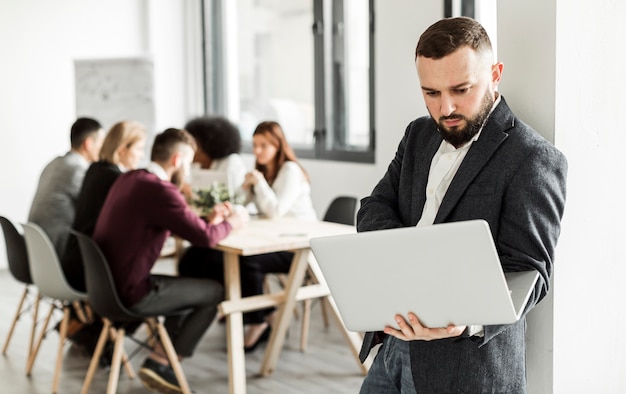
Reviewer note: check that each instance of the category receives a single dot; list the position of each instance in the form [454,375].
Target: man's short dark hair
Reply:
[215,135]
[166,144]
[82,129]
[447,35]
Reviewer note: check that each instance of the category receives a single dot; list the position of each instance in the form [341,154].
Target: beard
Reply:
[178,177]
[458,136]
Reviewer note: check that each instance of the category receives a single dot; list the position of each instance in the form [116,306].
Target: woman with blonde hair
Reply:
[122,150]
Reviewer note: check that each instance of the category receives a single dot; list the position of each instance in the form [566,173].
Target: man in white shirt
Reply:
[470,159]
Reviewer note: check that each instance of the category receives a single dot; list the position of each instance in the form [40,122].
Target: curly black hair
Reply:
[215,135]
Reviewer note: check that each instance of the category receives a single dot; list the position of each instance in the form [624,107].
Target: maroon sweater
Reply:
[138,215]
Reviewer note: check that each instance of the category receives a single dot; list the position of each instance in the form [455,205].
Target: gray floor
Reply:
[326,367]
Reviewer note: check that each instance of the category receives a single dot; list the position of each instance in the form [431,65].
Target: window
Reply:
[305,63]
[459,8]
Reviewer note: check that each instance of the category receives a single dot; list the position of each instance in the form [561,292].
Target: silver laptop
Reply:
[447,273]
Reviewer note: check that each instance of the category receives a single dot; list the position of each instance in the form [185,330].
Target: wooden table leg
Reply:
[279,328]
[234,327]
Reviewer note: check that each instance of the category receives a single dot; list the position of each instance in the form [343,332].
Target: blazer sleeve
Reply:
[380,210]
[530,221]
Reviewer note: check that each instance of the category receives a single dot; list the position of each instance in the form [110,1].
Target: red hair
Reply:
[275,135]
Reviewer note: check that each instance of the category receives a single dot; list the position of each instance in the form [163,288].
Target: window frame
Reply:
[214,12]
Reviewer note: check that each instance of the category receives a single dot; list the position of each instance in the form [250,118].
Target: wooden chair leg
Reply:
[62,336]
[33,329]
[118,350]
[42,334]
[173,358]
[18,313]
[113,334]
[93,364]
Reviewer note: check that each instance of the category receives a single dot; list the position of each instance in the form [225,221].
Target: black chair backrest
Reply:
[341,210]
[101,290]
[16,251]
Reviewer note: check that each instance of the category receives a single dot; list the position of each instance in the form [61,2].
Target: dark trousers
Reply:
[208,263]
[170,294]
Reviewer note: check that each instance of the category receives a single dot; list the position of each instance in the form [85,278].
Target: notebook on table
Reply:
[447,273]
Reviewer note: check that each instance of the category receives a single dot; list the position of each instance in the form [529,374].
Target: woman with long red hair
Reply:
[279,187]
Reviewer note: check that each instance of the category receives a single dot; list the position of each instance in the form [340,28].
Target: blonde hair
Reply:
[124,133]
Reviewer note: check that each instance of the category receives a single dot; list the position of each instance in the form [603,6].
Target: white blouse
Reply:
[289,195]
[236,169]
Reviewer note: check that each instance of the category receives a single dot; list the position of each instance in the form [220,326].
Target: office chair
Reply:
[105,301]
[17,257]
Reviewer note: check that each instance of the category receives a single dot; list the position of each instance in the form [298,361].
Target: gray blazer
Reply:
[515,180]
[54,204]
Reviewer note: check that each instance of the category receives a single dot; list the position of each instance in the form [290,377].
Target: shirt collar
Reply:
[157,170]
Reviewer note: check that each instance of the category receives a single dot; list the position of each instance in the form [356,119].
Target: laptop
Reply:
[206,179]
[447,273]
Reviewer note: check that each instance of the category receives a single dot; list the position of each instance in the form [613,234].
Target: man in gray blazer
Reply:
[53,206]
[470,159]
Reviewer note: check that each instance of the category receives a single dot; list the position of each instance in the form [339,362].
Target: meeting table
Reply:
[266,236]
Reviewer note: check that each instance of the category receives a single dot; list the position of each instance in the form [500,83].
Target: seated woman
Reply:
[122,150]
[279,187]
[219,144]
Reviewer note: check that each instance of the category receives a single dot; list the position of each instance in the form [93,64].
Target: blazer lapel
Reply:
[492,135]
[421,170]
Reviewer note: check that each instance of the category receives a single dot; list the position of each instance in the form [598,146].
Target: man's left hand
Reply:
[413,330]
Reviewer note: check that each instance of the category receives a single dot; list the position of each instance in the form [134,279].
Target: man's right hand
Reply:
[238,217]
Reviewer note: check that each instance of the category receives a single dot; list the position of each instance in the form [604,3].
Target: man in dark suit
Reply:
[470,159]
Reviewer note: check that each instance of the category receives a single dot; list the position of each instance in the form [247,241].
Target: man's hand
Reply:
[412,330]
[220,212]
[238,217]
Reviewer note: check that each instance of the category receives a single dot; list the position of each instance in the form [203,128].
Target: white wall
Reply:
[589,312]
[40,40]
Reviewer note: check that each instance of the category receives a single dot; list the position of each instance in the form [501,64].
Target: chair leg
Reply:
[62,336]
[113,333]
[93,364]
[306,313]
[118,350]
[18,313]
[42,334]
[33,329]
[173,358]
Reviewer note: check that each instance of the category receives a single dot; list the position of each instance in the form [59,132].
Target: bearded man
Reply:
[470,159]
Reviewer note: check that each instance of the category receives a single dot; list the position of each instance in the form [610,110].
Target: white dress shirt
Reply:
[443,168]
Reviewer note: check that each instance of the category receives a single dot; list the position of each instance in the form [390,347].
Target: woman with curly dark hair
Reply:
[219,144]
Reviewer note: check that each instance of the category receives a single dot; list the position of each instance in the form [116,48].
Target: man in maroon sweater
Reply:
[142,208]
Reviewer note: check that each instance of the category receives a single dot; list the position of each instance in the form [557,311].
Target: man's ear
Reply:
[88,143]
[496,73]
[176,159]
